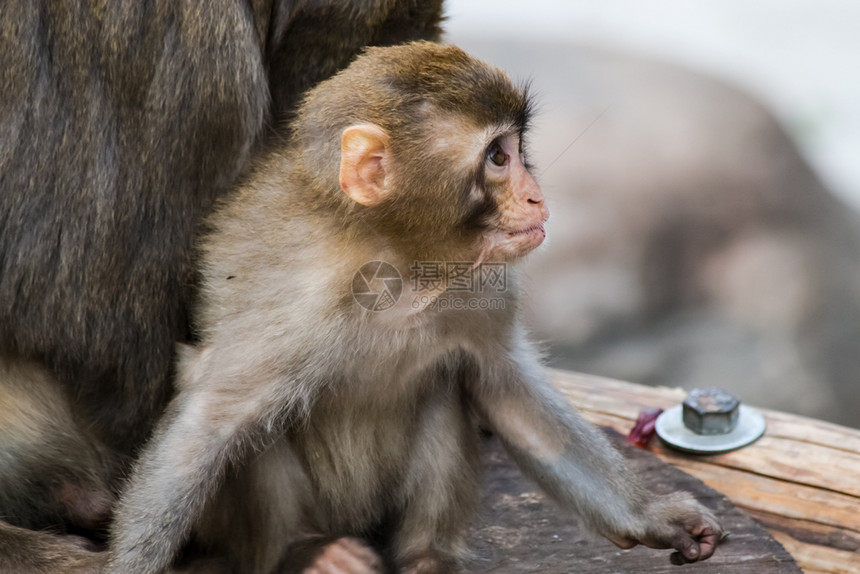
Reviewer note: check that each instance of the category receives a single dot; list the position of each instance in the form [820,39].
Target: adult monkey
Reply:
[122,122]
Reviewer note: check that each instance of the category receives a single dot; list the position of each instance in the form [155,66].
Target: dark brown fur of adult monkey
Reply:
[121,123]
[305,412]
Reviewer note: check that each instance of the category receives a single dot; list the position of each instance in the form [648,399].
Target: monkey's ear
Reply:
[363,163]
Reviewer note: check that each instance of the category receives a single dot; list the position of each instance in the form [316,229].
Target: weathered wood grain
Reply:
[801,480]
[524,532]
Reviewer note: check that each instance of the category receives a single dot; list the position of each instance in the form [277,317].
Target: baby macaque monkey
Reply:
[358,321]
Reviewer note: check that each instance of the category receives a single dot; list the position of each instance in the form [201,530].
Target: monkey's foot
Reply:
[346,556]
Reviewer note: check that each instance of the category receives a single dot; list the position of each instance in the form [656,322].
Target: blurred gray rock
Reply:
[689,243]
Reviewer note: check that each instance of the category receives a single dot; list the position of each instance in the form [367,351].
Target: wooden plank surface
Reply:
[801,480]
[523,532]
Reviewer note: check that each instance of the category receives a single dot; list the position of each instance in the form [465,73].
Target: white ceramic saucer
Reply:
[670,428]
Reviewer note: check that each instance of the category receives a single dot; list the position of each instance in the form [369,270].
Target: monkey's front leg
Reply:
[176,474]
[575,463]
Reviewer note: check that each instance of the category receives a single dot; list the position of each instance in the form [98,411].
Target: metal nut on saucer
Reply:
[711,411]
[709,421]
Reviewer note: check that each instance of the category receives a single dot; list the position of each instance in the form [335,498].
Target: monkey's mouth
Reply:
[529,230]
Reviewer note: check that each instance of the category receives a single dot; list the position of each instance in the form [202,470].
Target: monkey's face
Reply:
[460,191]
[516,210]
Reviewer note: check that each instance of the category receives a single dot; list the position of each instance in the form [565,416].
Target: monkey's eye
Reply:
[496,154]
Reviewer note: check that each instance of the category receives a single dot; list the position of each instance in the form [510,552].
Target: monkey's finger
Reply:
[687,552]
[709,538]
[697,543]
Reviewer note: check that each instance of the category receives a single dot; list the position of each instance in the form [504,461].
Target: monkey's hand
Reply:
[675,521]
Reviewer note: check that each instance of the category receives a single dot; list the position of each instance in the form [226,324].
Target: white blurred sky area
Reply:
[801,57]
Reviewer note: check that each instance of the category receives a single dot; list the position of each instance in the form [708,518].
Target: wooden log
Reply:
[801,480]
[522,532]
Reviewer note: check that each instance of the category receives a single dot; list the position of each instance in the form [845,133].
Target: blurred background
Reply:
[702,165]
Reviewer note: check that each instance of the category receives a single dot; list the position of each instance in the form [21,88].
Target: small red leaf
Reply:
[643,431]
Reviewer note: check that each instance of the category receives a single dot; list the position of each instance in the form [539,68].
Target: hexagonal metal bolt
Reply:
[711,411]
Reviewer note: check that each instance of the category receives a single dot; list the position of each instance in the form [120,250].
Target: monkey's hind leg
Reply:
[439,493]
[53,473]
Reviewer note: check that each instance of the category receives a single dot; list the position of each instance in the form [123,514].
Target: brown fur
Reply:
[67,485]
[122,124]
[25,551]
[315,418]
